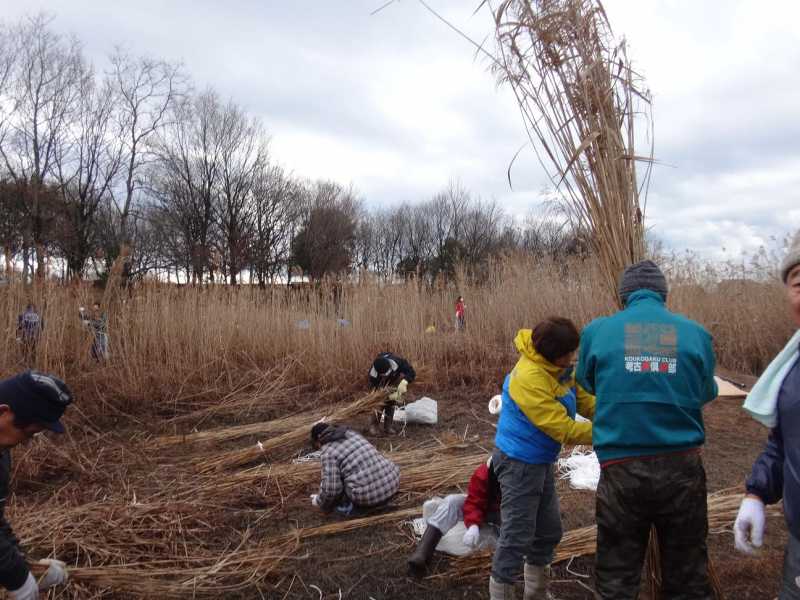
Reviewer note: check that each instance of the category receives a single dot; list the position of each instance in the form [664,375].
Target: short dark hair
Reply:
[317,430]
[555,337]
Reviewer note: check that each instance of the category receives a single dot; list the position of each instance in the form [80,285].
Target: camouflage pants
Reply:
[668,492]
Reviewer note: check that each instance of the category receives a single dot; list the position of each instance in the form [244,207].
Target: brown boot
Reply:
[418,561]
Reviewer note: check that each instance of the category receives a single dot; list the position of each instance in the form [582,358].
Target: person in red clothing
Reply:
[461,317]
[480,506]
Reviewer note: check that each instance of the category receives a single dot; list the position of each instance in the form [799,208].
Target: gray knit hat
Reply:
[644,275]
[792,258]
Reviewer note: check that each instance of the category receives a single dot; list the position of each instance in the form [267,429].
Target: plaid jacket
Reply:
[354,467]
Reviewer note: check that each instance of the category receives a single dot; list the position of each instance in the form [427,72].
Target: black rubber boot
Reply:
[418,561]
[388,419]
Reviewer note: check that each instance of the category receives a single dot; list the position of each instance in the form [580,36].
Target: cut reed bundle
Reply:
[237,458]
[580,100]
[722,510]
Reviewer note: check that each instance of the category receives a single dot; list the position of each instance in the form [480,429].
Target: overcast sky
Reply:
[398,105]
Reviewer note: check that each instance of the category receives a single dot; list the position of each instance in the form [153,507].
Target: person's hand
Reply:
[28,591]
[471,536]
[314,500]
[748,530]
[56,573]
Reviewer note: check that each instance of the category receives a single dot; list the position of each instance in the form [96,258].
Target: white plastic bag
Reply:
[424,411]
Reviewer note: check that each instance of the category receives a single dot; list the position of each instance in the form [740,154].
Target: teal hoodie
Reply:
[651,371]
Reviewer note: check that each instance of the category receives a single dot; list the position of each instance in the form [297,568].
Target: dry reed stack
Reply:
[238,458]
[580,101]
[722,510]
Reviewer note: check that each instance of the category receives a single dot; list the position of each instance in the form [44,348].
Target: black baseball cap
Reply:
[36,397]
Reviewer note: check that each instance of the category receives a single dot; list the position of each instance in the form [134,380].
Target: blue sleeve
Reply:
[584,372]
[766,478]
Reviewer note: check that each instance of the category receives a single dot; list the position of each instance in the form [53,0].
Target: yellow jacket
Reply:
[541,398]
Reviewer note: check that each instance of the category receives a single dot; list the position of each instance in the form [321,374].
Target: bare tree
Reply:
[146,89]
[276,200]
[44,90]
[243,155]
[87,165]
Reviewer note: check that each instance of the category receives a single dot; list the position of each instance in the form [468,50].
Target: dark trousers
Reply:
[668,492]
[790,590]
[531,519]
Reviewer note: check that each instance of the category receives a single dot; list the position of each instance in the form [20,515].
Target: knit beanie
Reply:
[792,258]
[644,275]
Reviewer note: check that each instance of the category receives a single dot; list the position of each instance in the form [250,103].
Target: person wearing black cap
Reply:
[651,371]
[30,403]
[389,371]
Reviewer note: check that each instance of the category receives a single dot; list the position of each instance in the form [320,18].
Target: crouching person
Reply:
[389,371]
[539,403]
[354,473]
[480,506]
[29,404]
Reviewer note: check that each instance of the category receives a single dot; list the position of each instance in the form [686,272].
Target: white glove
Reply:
[471,536]
[495,405]
[749,524]
[402,387]
[56,573]
[28,591]
[315,500]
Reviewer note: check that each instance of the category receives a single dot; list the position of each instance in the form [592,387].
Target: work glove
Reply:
[56,573]
[471,536]
[315,500]
[28,591]
[397,395]
[749,524]
[496,405]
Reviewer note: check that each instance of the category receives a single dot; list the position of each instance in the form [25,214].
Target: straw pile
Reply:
[722,510]
[238,458]
[580,101]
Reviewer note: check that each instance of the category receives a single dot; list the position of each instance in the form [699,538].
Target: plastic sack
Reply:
[424,411]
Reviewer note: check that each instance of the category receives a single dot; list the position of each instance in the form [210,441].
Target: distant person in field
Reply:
[775,402]
[478,508]
[652,372]
[97,323]
[30,403]
[389,371]
[29,328]
[461,315]
[540,402]
[354,473]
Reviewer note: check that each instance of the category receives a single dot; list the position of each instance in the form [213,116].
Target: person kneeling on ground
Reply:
[354,473]
[775,402]
[480,506]
[29,403]
[540,401]
[389,371]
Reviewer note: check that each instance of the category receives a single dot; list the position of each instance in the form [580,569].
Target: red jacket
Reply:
[483,496]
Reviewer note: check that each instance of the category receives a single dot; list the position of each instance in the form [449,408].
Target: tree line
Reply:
[132,164]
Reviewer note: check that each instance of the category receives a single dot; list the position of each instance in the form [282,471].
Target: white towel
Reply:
[762,401]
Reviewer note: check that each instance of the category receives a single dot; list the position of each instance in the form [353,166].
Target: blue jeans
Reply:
[531,518]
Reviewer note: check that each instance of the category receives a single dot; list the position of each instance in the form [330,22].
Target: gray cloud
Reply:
[397,104]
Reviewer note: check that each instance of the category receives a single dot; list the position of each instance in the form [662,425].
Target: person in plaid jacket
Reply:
[354,473]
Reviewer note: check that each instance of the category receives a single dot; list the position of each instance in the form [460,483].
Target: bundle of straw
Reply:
[722,510]
[580,99]
[237,458]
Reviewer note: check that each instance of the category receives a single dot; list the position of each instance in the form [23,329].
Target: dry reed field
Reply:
[160,488]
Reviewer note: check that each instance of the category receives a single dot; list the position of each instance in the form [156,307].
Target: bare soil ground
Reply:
[370,563]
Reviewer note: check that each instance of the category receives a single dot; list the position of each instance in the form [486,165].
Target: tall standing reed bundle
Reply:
[580,101]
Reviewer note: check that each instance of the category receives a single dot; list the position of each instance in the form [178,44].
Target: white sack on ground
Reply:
[452,542]
[424,411]
[581,468]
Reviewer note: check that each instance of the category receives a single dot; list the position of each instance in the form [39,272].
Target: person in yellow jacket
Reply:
[540,402]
